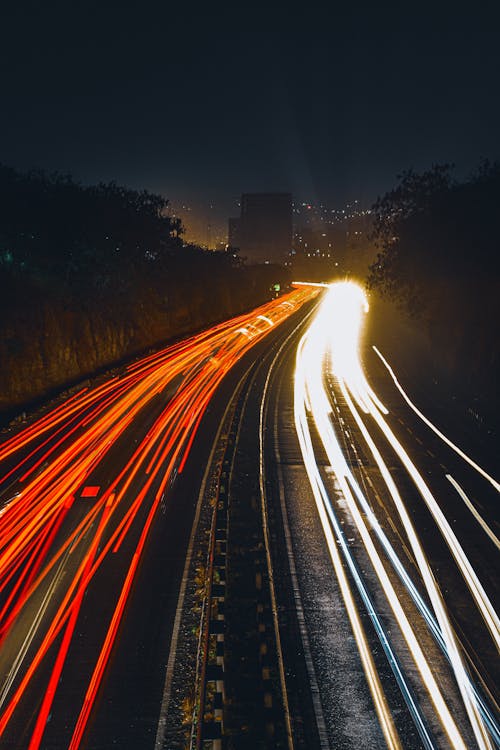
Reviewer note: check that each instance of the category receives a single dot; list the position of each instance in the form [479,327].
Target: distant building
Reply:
[233,234]
[264,230]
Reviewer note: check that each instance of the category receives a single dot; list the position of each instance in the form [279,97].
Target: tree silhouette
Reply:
[432,229]
[439,261]
[92,274]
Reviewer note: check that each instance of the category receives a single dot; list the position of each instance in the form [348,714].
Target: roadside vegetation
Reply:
[92,275]
[438,261]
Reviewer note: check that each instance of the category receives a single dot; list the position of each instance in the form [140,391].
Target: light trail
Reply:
[335,333]
[42,529]
[447,631]
[429,618]
[321,284]
[473,510]
[433,427]
[466,569]
[309,378]
[327,516]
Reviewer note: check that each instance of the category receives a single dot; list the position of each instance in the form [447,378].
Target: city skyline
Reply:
[330,117]
[205,227]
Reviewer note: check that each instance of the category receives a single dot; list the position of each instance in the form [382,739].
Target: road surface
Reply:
[380,531]
[93,538]
[392,544]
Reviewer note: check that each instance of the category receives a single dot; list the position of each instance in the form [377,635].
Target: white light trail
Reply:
[311,283]
[468,697]
[474,512]
[433,427]
[335,330]
[309,372]
[372,677]
[482,601]
[405,578]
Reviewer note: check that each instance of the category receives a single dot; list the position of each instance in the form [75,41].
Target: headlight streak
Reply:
[329,521]
[477,516]
[309,370]
[350,375]
[322,284]
[461,676]
[471,579]
[433,427]
[402,573]
[81,432]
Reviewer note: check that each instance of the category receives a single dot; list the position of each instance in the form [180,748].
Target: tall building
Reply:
[265,227]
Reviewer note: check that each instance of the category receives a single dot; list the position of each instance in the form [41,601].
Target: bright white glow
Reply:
[335,334]
[304,436]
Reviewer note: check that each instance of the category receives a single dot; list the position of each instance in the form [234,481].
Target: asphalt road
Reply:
[98,499]
[382,538]
[390,537]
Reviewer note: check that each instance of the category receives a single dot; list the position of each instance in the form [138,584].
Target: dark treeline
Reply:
[90,275]
[439,261]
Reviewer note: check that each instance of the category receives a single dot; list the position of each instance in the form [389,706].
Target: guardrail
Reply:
[208,717]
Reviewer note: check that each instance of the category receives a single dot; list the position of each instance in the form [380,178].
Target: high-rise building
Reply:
[265,227]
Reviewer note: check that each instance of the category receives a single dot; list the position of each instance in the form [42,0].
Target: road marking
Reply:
[90,491]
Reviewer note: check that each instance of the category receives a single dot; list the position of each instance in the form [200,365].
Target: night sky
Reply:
[332,114]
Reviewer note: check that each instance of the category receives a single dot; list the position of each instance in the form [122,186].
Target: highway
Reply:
[380,530]
[95,519]
[392,545]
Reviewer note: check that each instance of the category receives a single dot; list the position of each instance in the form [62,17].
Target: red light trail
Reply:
[65,516]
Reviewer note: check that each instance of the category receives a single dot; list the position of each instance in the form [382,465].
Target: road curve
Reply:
[85,489]
[396,579]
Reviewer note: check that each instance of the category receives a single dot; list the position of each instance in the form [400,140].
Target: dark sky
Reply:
[331,113]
